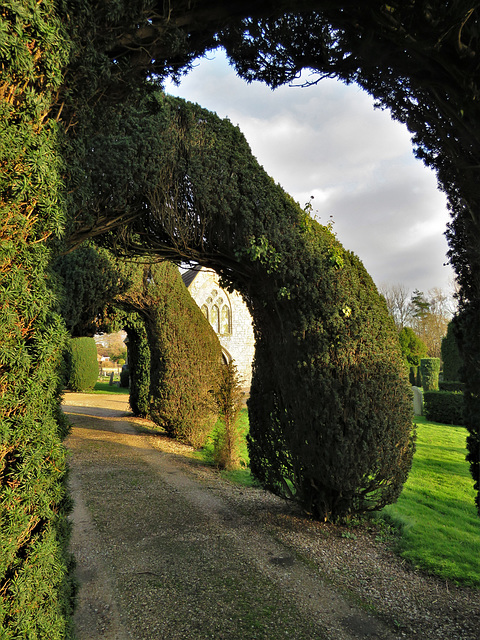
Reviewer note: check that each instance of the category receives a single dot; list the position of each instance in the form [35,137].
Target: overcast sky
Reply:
[328,141]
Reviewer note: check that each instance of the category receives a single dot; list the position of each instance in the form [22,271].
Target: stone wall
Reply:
[235,332]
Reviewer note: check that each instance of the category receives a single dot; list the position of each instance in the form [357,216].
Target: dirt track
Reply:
[166,550]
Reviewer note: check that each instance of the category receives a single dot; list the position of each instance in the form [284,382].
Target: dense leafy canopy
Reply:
[210,201]
[35,584]
[413,349]
[65,68]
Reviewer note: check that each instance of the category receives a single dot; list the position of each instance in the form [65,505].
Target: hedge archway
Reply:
[66,64]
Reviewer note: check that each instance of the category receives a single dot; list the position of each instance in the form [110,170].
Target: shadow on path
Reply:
[162,555]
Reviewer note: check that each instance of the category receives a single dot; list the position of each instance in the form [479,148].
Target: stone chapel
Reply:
[229,316]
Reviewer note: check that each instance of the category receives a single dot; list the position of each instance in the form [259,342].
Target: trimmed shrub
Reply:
[185,354]
[36,578]
[186,360]
[451,385]
[452,359]
[349,448]
[430,370]
[125,377]
[413,348]
[138,364]
[413,376]
[446,407]
[82,364]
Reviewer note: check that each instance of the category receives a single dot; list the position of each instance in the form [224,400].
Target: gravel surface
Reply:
[166,549]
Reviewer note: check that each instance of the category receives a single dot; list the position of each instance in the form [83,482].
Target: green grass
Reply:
[438,527]
[241,476]
[104,387]
[436,515]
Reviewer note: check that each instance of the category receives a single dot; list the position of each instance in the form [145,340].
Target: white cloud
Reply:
[328,141]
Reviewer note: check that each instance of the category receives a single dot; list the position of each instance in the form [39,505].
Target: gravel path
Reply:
[165,550]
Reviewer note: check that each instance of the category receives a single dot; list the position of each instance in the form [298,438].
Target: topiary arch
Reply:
[66,68]
[329,392]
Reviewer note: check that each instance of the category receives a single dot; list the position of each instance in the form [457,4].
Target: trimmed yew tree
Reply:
[451,356]
[185,355]
[330,410]
[330,407]
[139,360]
[82,364]
[35,583]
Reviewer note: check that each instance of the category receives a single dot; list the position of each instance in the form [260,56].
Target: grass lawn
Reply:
[436,518]
[436,515]
[438,527]
[105,387]
[242,475]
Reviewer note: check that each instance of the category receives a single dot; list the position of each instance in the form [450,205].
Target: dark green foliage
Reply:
[413,348]
[82,364]
[467,329]
[415,377]
[323,333]
[451,385]
[349,448]
[124,377]
[452,359]
[226,453]
[430,370]
[185,355]
[446,407]
[420,61]
[138,364]
[90,280]
[35,581]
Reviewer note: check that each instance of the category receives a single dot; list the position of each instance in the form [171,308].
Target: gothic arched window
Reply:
[225,320]
[214,318]
[205,310]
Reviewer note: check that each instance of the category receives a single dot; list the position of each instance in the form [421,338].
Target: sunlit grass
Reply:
[438,526]
[105,387]
[240,476]
[436,514]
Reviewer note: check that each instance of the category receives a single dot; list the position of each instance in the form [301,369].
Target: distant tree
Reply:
[420,305]
[399,304]
[430,319]
[451,356]
[413,348]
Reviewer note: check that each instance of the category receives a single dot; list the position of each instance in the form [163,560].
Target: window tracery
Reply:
[217,311]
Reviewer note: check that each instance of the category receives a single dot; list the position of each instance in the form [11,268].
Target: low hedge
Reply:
[451,385]
[444,406]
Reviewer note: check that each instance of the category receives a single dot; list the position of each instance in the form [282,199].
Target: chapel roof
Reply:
[189,275]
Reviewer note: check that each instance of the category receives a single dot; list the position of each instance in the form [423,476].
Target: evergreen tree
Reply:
[185,355]
[413,349]
[36,586]
[90,280]
[82,364]
[451,356]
